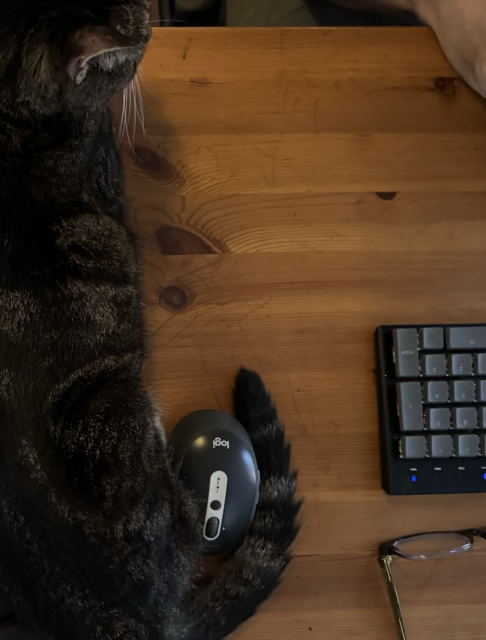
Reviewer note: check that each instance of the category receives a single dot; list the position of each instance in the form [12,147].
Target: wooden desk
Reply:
[299,188]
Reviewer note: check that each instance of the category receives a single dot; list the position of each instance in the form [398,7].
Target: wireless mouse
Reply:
[213,456]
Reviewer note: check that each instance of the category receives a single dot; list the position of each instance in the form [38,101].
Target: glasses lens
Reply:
[432,545]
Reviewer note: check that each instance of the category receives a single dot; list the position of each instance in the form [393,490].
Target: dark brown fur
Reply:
[97,540]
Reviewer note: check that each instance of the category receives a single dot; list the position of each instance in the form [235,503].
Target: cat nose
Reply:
[133,26]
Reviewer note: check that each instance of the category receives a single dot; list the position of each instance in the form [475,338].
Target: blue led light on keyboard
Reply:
[414,478]
[484,476]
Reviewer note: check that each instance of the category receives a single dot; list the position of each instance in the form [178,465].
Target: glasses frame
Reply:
[389,549]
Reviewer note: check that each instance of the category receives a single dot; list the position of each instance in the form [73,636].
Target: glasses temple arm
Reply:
[385,563]
[481,533]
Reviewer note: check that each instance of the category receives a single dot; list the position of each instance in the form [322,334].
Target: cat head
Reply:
[67,54]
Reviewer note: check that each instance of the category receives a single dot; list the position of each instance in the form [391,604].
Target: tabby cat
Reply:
[97,539]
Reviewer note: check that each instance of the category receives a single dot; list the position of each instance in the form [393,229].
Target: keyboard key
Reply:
[432,338]
[482,417]
[409,395]
[438,419]
[464,418]
[480,364]
[413,447]
[466,337]
[440,446]
[436,422]
[462,391]
[436,392]
[405,345]
[433,365]
[460,364]
[466,446]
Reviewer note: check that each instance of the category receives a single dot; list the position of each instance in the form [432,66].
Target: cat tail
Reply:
[254,571]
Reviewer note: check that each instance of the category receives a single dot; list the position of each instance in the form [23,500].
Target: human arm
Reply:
[460,26]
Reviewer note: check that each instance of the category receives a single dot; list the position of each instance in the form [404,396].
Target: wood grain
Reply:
[294,189]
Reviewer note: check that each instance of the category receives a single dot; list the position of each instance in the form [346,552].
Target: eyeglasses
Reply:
[422,546]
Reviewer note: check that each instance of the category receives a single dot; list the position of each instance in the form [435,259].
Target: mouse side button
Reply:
[212,527]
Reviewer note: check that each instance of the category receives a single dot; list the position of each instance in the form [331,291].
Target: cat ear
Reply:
[86,44]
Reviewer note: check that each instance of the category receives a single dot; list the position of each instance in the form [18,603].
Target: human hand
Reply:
[460,26]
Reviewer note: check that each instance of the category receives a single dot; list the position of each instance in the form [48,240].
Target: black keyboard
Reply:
[432,408]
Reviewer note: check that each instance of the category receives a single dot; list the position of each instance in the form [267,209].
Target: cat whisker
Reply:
[164,21]
[133,113]
[135,110]
[125,124]
[120,123]
[141,107]
[138,115]
[121,126]
[129,114]
[141,75]
[142,111]
[125,116]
